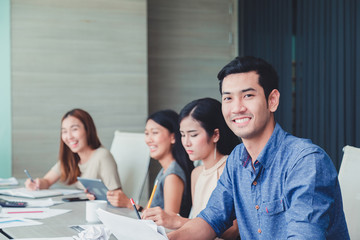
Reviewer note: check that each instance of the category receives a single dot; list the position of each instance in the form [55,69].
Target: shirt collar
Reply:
[267,155]
[244,156]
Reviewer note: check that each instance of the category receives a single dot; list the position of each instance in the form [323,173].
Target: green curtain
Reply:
[267,33]
[322,101]
[327,74]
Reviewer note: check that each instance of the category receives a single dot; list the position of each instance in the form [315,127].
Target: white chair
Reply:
[349,179]
[132,157]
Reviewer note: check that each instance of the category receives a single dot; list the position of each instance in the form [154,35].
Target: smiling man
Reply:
[277,186]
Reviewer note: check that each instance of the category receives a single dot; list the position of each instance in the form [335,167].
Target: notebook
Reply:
[25,193]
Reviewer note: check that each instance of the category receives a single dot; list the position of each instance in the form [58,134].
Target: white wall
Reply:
[66,54]
[93,54]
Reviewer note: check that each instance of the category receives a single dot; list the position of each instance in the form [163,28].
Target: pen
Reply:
[29,176]
[26,212]
[133,203]
[152,194]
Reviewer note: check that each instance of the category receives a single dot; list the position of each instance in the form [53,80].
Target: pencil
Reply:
[152,194]
[133,203]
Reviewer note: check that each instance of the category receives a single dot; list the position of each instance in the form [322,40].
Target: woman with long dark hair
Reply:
[173,192]
[205,136]
[81,155]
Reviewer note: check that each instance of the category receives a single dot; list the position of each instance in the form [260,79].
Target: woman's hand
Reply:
[89,195]
[42,183]
[32,185]
[118,198]
[165,219]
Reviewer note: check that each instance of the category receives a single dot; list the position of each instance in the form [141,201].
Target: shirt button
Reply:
[257,207]
[259,230]
[255,183]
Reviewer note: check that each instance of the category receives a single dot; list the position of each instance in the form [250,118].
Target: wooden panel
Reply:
[188,45]
[89,54]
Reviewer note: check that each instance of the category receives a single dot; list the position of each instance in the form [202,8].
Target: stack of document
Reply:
[8,181]
[131,229]
[25,193]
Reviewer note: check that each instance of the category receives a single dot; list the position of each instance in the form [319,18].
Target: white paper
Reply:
[23,192]
[32,213]
[26,193]
[8,181]
[358,196]
[129,228]
[66,191]
[17,222]
[42,203]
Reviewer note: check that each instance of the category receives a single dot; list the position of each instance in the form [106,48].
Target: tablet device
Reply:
[95,187]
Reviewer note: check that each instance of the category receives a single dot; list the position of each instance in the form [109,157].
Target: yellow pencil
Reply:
[152,194]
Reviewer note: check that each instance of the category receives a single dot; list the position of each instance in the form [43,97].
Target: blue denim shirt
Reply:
[293,193]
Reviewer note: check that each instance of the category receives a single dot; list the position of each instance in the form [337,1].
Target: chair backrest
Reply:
[349,179]
[132,157]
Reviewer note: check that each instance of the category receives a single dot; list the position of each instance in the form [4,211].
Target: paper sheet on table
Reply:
[358,196]
[26,193]
[17,222]
[66,191]
[32,213]
[42,203]
[129,228]
[8,181]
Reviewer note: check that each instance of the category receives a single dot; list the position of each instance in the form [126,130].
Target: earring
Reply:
[215,151]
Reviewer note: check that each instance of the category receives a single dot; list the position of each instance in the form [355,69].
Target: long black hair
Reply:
[170,120]
[207,111]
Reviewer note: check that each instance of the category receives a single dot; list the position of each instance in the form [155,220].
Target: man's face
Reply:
[245,108]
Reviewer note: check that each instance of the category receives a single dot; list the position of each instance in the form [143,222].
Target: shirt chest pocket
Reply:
[273,207]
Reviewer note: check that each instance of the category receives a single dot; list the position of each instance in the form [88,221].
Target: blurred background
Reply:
[123,59]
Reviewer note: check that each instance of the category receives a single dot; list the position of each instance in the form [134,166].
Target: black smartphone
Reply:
[74,199]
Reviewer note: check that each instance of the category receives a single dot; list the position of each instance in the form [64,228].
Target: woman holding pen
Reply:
[81,155]
[172,189]
[206,137]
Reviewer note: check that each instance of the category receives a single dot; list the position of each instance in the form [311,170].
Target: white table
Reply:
[58,226]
